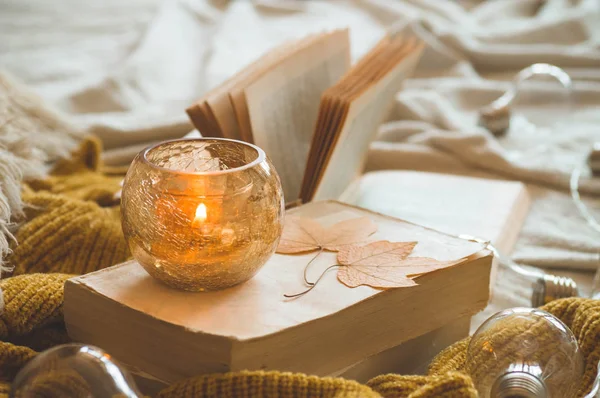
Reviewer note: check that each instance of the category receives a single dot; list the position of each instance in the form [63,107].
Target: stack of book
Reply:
[166,335]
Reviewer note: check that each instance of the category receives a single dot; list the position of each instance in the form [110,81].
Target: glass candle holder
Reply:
[202,214]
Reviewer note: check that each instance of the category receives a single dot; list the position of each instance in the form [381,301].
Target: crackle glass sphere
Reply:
[524,352]
[73,371]
[202,214]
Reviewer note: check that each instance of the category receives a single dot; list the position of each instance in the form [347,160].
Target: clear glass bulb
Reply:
[595,391]
[535,110]
[73,371]
[589,167]
[524,353]
[544,287]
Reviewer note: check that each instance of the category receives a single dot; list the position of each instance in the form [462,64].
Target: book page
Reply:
[204,120]
[217,101]
[234,105]
[221,107]
[354,82]
[366,113]
[283,105]
[325,106]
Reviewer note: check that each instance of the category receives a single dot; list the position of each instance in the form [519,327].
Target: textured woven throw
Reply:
[31,135]
[72,227]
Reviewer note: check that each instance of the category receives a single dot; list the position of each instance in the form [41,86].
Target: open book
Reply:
[311,113]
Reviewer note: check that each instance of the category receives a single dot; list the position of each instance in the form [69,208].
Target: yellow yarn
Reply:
[582,316]
[59,383]
[83,176]
[451,384]
[73,227]
[67,228]
[12,359]
[31,302]
[266,384]
[68,236]
[4,389]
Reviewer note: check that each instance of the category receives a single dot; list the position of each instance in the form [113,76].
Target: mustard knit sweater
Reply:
[72,227]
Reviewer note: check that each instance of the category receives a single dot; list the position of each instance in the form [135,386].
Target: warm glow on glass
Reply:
[202,214]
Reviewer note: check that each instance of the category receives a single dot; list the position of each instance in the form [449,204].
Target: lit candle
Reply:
[200,220]
[223,234]
[202,214]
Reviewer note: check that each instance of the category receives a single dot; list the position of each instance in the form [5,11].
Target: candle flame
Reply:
[200,213]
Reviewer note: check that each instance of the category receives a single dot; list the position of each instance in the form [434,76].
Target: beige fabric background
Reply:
[125,70]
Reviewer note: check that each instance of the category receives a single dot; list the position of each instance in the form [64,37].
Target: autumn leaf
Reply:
[384,265]
[302,235]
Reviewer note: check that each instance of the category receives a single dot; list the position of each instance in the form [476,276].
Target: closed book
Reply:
[169,334]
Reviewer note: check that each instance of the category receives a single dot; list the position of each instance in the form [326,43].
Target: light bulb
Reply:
[73,371]
[536,92]
[589,167]
[595,391]
[524,353]
[544,287]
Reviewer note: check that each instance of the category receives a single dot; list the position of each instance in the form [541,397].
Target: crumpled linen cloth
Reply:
[125,71]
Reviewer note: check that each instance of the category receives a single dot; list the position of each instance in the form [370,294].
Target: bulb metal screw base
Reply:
[495,118]
[552,287]
[594,159]
[518,385]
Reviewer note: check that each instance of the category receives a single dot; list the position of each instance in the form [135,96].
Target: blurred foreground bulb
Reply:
[524,353]
[73,371]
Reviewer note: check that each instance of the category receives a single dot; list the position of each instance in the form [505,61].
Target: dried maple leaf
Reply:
[301,235]
[384,265]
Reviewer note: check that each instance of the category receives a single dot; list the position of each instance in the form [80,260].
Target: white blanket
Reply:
[125,70]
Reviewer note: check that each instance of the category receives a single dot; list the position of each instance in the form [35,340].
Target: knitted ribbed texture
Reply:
[61,383]
[68,229]
[83,176]
[32,302]
[4,389]
[68,236]
[44,337]
[582,316]
[12,359]
[266,384]
[451,384]
[450,359]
